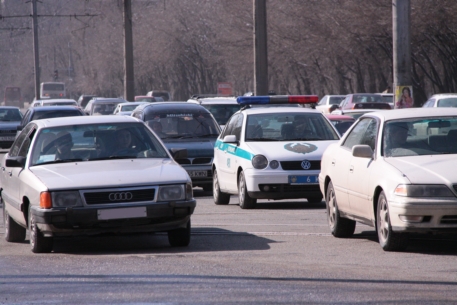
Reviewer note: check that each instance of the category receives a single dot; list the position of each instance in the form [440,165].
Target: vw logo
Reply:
[124,196]
[305,164]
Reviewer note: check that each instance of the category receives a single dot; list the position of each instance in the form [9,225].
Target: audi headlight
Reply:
[171,193]
[259,162]
[423,190]
[66,199]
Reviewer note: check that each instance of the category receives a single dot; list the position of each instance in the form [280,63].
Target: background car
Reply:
[389,99]
[54,102]
[392,171]
[189,126]
[354,113]
[102,105]
[221,107]
[160,93]
[441,100]
[271,153]
[363,100]
[10,119]
[149,99]
[341,122]
[325,104]
[84,99]
[39,113]
[119,178]
[127,108]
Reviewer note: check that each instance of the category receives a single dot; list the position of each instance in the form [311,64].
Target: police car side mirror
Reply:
[230,139]
[362,151]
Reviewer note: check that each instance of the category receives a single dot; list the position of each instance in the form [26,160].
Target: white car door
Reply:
[232,158]
[220,154]
[359,173]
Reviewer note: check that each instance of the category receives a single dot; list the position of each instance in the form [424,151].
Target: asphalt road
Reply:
[279,253]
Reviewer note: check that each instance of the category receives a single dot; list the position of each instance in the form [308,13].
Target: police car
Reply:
[271,153]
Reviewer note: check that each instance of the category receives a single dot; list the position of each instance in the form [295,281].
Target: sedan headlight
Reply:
[66,199]
[259,162]
[171,193]
[423,190]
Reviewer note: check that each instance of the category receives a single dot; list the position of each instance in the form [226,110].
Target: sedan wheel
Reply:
[339,226]
[389,240]
[246,202]
[180,237]
[219,197]
[13,231]
[38,243]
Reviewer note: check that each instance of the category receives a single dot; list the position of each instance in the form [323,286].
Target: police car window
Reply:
[356,136]
[289,126]
[228,128]
[236,131]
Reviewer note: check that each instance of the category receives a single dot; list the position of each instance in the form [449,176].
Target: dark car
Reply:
[189,126]
[38,113]
[364,101]
[10,118]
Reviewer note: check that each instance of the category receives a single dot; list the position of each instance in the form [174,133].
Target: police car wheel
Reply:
[219,197]
[246,202]
[339,226]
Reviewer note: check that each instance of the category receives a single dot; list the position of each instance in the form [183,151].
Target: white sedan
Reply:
[92,175]
[394,170]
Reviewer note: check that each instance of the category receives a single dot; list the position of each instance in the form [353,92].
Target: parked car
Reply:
[149,99]
[325,104]
[10,118]
[102,105]
[341,122]
[354,113]
[54,102]
[363,101]
[441,100]
[391,171]
[189,126]
[93,175]
[389,99]
[127,108]
[271,153]
[222,108]
[160,93]
[84,99]
[39,113]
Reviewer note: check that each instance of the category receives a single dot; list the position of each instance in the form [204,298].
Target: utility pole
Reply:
[35,49]
[129,82]
[401,12]
[260,48]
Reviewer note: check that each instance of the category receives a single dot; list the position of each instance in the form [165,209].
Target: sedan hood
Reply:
[429,169]
[195,147]
[289,151]
[109,173]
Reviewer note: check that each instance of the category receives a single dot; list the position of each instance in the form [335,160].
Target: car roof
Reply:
[259,110]
[339,117]
[106,100]
[215,100]
[53,108]
[443,95]
[161,106]
[83,120]
[57,101]
[9,107]
[365,94]
[133,103]
[406,113]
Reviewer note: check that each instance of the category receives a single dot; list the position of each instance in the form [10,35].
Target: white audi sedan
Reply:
[91,175]
[394,170]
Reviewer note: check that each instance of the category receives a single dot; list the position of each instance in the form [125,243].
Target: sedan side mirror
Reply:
[178,153]
[15,162]
[362,151]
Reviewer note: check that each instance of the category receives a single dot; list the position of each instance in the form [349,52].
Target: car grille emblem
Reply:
[305,164]
[124,196]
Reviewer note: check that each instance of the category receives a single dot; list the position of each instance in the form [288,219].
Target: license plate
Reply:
[121,213]
[194,174]
[7,138]
[294,180]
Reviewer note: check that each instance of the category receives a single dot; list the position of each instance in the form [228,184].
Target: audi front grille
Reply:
[120,196]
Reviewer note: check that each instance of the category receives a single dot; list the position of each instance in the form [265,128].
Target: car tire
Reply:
[180,237]
[220,198]
[246,202]
[314,199]
[339,226]
[13,231]
[38,243]
[389,240]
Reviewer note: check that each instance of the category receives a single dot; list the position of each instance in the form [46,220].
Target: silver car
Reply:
[91,175]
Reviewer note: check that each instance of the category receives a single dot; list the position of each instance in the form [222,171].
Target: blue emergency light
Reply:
[277,99]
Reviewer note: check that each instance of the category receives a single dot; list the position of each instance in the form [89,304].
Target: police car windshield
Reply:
[183,125]
[289,127]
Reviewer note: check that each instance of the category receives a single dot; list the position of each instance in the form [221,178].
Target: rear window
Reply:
[54,114]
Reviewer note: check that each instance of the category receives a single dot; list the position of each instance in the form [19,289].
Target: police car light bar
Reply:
[277,99]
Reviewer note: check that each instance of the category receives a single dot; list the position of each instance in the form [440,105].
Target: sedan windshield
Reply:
[289,127]
[429,136]
[95,142]
[7,115]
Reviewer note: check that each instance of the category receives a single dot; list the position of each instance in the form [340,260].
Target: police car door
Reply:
[220,153]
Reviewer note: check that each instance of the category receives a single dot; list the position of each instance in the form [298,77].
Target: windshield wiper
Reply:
[264,139]
[59,161]
[121,157]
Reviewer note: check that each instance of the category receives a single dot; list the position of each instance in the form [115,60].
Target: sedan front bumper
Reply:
[87,221]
